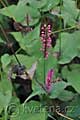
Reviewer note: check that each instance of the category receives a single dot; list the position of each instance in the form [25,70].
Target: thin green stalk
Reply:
[65,29]
[44,70]
[60,37]
[18,51]
[60,29]
[5,111]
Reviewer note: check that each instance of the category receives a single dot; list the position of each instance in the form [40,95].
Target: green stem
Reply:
[60,29]
[60,36]
[44,70]
[65,29]
[5,113]
[18,51]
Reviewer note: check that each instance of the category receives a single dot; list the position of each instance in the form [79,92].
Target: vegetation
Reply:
[40,60]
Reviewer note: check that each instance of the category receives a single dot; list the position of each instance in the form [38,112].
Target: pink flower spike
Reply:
[46,39]
[48,81]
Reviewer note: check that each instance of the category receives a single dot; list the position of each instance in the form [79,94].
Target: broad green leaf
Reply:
[5,59]
[5,91]
[15,100]
[33,12]
[5,84]
[30,42]
[17,12]
[38,3]
[20,39]
[70,44]
[73,76]
[35,49]
[66,95]
[26,40]
[33,42]
[20,11]
[4,100]
[33,21]
[32,36]
[57,89]
[50,4]
[31,110]
[69,12]
[37,112]
[73,109]
[4,11]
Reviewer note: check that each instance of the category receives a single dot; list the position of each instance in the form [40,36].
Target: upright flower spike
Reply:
[48,81]
[46,39]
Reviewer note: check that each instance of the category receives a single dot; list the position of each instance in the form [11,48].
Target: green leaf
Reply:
[38,3]
[32,36]
[73,109]
[70,44]
[34,13]
[5,59]
[4,11]
[15,11]
[69,12]
[73,76]
[30,42]
[5,91]
[31,110]
[33,21]
[4,100]
[20,39]
[19,11]
[50,4]
[66,95]
[57,89]
[5,84]
[38,112]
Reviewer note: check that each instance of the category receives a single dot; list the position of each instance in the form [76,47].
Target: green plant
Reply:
[40,60]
